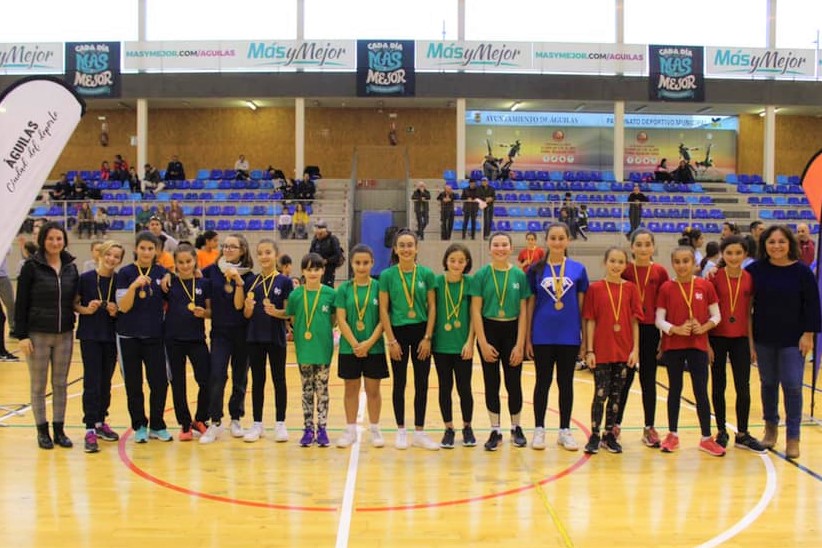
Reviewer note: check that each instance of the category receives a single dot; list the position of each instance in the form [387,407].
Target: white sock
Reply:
[497,429]
[375,427]
[352,428]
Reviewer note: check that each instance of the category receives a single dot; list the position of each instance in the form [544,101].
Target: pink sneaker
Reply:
[650,437]
[710,446]
[671,443]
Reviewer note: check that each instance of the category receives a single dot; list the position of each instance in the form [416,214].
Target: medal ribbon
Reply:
[500,298]
[733,294]
[449,301]
[361,311]
[615,309]
[689,299]
[310,317]
[191,295]
[110,285]
[644,286]
[409,295]
[558,280]
[140,272]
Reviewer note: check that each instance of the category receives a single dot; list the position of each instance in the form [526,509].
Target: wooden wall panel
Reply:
[750,145]
[797,139]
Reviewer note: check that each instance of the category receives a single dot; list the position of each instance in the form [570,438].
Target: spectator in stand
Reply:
[155,226]
[421,198]
[446,199]
[101,223]
[683,174]
[661,172]
[241,167]
[284,224]
[144,215]
[175,170]
[120,169]
[80,188]
[470,207]
[134,184]
[300,221]
[635,200]
[288,189]
[487,194]
[807,251]
[175,219]
[105,171]
[85,220]
[306,189]
[728,229]
[208,248]
[62,189]
[152,182]
[581,225]
[327,246]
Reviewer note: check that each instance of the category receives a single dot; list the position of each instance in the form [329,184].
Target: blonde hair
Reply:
[109,244]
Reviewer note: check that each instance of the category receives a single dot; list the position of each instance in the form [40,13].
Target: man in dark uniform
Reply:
[421,198]
[446,199]
[328,247]
[487,194]
[470,207]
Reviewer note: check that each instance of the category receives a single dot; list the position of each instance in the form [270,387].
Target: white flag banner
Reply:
[37,117]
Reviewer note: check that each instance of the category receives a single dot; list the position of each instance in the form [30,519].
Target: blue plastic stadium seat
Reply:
[203,174]
[731,179]
[239,225]
[197,211]
[609,226]
[117,224]
[229,210]
[556,176]
[534,226]
[594,226]
[457,224]
[210,224]
[529,175]
[212,210]
[520,226]
[268,225]
[223,225]
[256,175]
[255,224]
[504,226]
[514,212]
[197,185]
[244,210]
[654,226]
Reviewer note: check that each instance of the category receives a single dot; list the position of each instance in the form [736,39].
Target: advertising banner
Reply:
[39,115]
[760,63]
[385,68]
[237,55]
[590,58]
[479,56]
[676,73]
[93,68]
[31,58]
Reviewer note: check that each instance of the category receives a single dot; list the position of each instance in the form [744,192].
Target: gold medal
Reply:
[617,328]
[142,294]
[191,306]
[734,295]
[616,309]
[447,327]
[103,304]
[266,301]
[557,281]
[309,317]
[501,313]
[409,294]
[412,314]
[307,335]
[732,319]
[457,324]
[360,325]
[361,310]
[500,295]
[558,305]
[228,287]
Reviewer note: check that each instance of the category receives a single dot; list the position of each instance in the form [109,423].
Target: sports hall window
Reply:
[378,19]
[221,20]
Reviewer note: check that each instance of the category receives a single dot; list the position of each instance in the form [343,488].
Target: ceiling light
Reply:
[251,104]
[515,106]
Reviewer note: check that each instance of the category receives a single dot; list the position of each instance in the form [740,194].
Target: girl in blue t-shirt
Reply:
[555,333]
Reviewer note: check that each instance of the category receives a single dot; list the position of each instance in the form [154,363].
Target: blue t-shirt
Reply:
[263,328]
[180,323]
[100,325]
[223,313]
[145,319]
[549,325]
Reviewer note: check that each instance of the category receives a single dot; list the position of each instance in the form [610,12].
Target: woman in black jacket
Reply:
[44,324]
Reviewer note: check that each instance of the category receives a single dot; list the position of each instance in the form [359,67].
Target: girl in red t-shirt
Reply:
[687,308]
[611,312]
[648,277]
[531,254]
[733,338]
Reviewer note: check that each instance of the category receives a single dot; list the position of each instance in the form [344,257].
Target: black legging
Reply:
[409,337]
[197,353]
[740,353]
[697,362]
[608,379]
[469,212]
[565,357]
[448,367]
[648,346]
[99,362]
[257,353]
[503,337]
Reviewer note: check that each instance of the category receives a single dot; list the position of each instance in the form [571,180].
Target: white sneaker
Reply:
[347,439]
[211,434]
[376,438]
[236,429]
[566,440]
[254,433]
[539,438]
[422,440]
[280,432]
[401,441]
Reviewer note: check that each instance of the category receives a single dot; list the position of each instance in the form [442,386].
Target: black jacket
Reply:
[45,302]
[328,248]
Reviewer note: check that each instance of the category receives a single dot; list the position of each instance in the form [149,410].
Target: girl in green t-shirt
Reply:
[407,313]
[362,352]
[500,321]
[454,341]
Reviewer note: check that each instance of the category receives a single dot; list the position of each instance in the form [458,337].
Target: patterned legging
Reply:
[315,385]
[609,378]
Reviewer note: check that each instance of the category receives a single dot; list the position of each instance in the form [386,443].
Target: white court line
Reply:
[347,508]
[23,410]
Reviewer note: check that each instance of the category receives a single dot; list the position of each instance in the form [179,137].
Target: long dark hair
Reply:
[711,249]
[762,255]
[402,232]
[536,270]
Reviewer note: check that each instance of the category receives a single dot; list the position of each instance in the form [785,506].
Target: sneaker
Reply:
[421,440]
[592,447]
[722,438]
[8,357]
[236,429]
[308,437]
[448,439]
[518,437]
[161,434]
[347,439]
[710,446]
[105,433]
[468,438]
[186,435]
[401,441]
[141,435]
[539,438]
[670,443]
[280,432]
[198,427]
[254,433]
[91,442]
[376,438]
[322,437]
[211,434]
[494,441]
[748,442]
[650,437]
[566,440]
[610,443]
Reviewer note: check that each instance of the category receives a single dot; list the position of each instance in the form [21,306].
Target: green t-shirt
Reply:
[371,318]
[390,283]
[517,290]
[451,341]
[320,348]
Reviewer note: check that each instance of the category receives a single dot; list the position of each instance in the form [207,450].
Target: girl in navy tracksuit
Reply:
[189,303]
[97,307]
[140,338]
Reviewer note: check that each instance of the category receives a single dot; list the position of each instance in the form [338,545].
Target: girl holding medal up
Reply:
[454,341]
[265,300]
[362,351]
[498,314]
[189,303]
[407,313]
[687,308]
[733,339]
[555,335]
[611,310]
[97,309]
[311,306]
[140,339]
[532,254]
